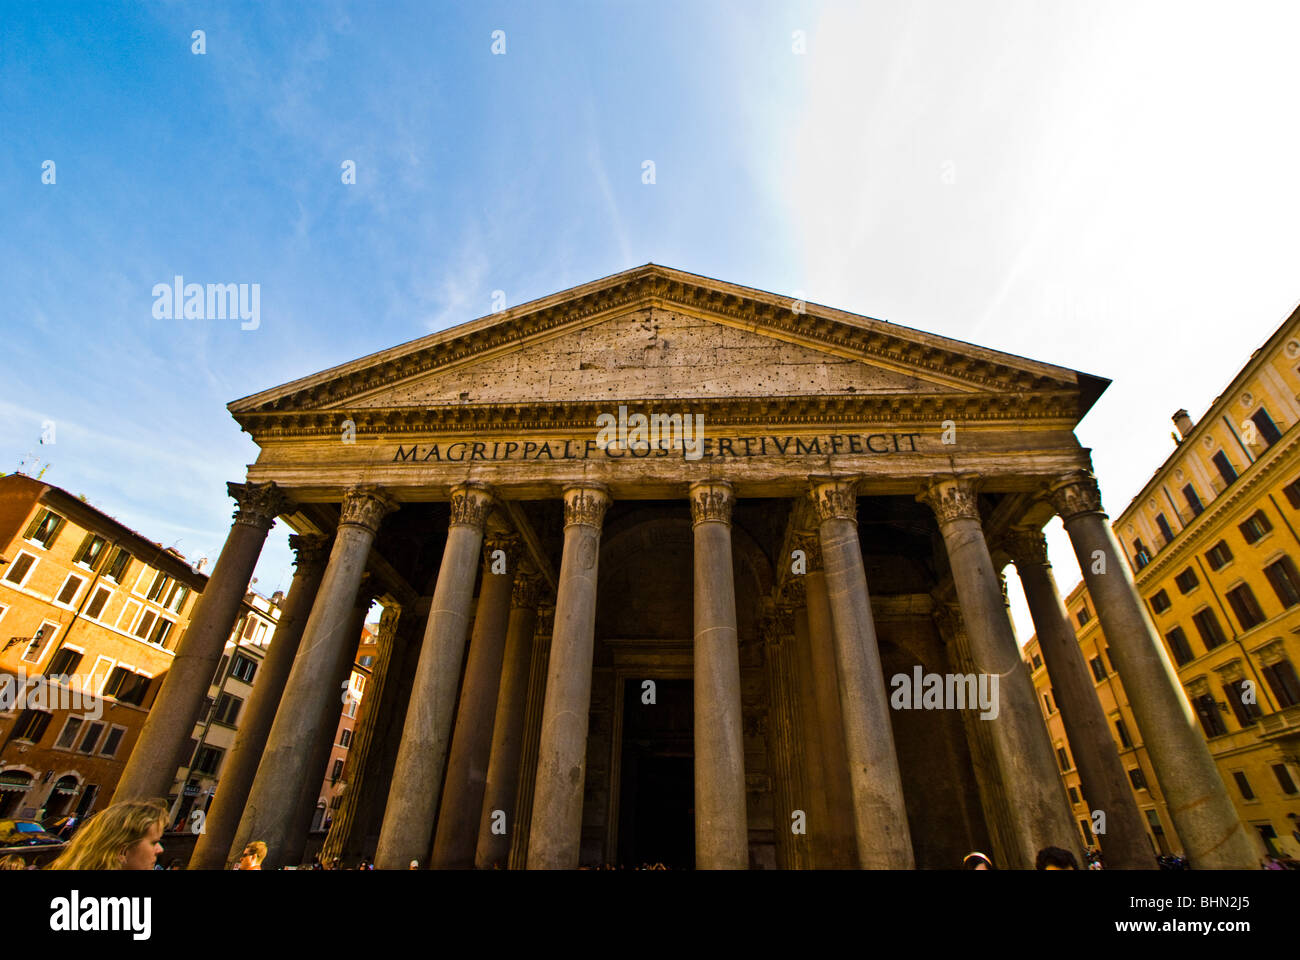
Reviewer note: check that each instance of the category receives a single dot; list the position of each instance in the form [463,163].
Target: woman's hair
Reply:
[103,839]
[973,860]
[13,862]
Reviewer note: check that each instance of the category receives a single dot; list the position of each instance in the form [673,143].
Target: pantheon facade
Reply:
[622,646]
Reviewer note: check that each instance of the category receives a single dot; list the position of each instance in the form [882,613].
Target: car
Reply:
[26,837]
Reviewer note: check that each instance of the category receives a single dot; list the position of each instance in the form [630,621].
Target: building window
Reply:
[350,708]
[1243,603]
[118,565]
[1086,829]
[1284,683]
[1074,794]
[1037,662]
[40,641]
[1179,646]
[1292,491]
[345,739]
[31,725]
[1256,525]
[1141,556]
[1163,526]
[1047,702]
[18,570]
[1122,730]
[63,662]
[127,687]
[176,597]
[1187,581]
[208,760]
[1207,625]
[228,709]
[1193,501]
[1063,758]
[244,668]
[68,736]
[1160,602]
[1285,580]
[45,529]
[90,737]
[1219,555]
[112,741]
[98,603]
[337,771]
[1226,470]
[366,660]
[221,668]
[129,610]
[91,551]
[336,802]
[1268,431]
[71,587]
[160,582]
[1284,778]
[1247,713]
[162,629]
[146,624]
[1098,669]
[1207,708]
[1243,785]
[1083,615]
[1136,778]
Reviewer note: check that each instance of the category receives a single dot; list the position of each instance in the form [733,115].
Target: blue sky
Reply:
[1105,186]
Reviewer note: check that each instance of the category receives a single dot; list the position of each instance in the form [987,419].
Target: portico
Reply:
[575,623]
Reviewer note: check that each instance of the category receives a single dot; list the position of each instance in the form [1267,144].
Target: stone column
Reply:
[321,743]
[213,847]
[471,745]
[1212,835]
[538,665]
[1105,784]
[151,768]
[880,816]
[1039,809]
[312,697]
[785,748]
[841,847]
[338,843]
[813,802]
[721,832]
[418,773]
[555,835]
[493,849]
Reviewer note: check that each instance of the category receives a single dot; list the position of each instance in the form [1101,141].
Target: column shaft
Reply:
[212,852]
[426,734]
[538,668]
[152,765]
[1213,837]
[555,834]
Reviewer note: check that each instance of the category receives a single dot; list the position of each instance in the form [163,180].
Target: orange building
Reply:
[91,613]
[335,783]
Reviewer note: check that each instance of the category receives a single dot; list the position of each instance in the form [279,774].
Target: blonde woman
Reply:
[121,837]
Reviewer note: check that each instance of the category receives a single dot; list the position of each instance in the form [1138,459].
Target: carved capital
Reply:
[811,544]
[711,500]
[259,503]
[1026,545]
[311,552]
[1075,494]
[585,503]
[470,505]
[947,617]
[366,506]
[545,620]
[388,622]
[834,498]
[510,545]
[794,593]
[777,625]
[952,498]
[527,593]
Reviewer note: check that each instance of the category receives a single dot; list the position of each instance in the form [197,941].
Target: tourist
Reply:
[252,857]
[1054,858]
[976,861]
[13,862]
[121,837]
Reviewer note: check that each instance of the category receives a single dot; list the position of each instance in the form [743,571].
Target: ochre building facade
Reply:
[601,644]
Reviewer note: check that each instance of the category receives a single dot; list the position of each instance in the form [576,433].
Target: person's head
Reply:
[13,862]
[253,855]
[976,861]
[1054,858]
[121,837]
[415,865]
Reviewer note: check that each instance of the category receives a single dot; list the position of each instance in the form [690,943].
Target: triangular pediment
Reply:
[652,334]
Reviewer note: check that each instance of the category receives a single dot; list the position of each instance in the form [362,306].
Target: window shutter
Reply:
[59,524]
[35,524]
[82,550]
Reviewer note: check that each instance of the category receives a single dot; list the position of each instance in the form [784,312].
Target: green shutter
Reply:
[35,524]
[59,524]
[85,546]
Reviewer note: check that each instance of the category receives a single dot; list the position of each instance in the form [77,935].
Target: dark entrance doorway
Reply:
[656,822]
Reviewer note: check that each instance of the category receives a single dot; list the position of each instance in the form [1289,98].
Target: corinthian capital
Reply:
[527,592]
[259,503]
[1026,545]
[366,506]
[711,500]
[470,505]
[585,503]
[834,498]
[311,551]
[507,543]
[810,542]
[952,498]
[1074,494]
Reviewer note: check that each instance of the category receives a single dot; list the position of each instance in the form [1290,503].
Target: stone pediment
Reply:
[651,334]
